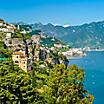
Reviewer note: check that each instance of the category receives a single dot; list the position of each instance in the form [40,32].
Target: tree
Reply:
[38,74]
[65,86]
[15,85]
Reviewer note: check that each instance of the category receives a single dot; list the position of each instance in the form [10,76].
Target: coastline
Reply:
[94,50]
[89,49]
[75,58]
[85,54]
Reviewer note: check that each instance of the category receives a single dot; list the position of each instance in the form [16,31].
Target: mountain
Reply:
[49,29]
[86,35]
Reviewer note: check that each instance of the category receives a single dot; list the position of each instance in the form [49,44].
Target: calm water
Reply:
[93,65]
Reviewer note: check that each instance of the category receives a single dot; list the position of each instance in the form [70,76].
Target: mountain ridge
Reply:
[85,35]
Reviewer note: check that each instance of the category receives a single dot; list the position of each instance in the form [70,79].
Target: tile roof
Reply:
[17,53]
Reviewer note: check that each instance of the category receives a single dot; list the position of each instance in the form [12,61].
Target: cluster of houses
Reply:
[38,47]
[74,53]
[5,27]
[31,46]
[45,54]
[20,56]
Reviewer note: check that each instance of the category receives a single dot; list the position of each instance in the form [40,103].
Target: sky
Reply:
[62,12]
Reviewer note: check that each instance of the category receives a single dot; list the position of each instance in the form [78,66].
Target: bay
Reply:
[93,64]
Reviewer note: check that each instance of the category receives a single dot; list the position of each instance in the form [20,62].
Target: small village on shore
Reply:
[28,46]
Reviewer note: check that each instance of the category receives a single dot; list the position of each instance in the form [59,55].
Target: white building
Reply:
[4,29]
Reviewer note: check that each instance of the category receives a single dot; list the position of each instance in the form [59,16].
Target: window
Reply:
[10,42]
[16,61]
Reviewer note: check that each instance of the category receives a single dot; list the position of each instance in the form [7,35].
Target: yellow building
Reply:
[20,60]
[23,64]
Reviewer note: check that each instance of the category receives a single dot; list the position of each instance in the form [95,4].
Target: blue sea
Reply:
[93,64]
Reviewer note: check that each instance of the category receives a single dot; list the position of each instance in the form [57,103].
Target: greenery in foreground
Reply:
[56,85]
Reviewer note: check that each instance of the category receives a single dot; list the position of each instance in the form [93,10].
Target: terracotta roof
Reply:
[17,53]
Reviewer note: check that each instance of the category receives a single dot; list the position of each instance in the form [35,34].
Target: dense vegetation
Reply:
[57,85]
[15,85]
